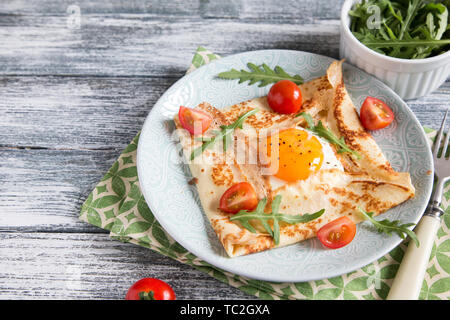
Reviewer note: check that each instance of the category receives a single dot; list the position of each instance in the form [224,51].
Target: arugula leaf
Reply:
[386,226]
[440,12]
[225,134]
[244,217]
[262,74]
[309,120]
[413,7]
[326,133]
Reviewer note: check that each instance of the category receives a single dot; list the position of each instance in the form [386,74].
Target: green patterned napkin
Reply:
[117,204]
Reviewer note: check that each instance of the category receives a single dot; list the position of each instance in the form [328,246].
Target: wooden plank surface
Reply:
[126,45]
[76,112]
[92,266]
[73,98]
[42,190]
[155,37]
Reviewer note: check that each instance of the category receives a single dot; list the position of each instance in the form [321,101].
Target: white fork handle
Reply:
[409,278]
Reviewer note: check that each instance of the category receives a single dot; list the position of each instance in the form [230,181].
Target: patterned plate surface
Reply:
[175,203]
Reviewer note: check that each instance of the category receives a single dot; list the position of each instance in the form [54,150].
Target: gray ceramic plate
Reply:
[175,203]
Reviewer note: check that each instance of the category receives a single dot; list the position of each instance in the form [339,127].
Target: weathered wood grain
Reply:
[92,266]
[75,112]
[137,45]
[42,190]
[258,10]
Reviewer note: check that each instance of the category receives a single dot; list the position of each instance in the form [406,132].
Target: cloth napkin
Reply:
[117,204]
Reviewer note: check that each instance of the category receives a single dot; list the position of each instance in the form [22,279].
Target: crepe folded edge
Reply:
[343,119]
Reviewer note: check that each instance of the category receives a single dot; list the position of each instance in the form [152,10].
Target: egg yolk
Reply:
[299,154]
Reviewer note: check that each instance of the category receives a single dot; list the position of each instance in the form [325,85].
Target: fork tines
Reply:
[437,142]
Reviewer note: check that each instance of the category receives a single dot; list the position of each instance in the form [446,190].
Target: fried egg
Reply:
[300,154]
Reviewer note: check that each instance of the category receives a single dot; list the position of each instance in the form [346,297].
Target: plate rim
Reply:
[276,278]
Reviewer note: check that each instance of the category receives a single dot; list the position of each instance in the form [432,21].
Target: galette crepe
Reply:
[311,174]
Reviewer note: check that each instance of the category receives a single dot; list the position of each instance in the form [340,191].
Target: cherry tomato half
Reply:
[337,233]
[150,289]
[375,114]
[240,196]
[193,120]
[285,97]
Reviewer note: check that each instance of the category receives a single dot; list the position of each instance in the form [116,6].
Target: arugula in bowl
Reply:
[406,29]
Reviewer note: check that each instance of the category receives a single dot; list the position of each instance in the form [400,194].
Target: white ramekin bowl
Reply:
[407,77]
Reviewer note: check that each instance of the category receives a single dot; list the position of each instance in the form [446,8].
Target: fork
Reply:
[409,278]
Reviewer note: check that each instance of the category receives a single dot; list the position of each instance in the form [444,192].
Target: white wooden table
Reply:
[75,89]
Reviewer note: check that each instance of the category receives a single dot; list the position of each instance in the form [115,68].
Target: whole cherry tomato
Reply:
[150,289]
[285,97]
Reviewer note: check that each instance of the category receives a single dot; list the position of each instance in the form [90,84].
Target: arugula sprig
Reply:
[244,217]
[327,134]
[225,133]
[406,29]
[388,227]
[262,74]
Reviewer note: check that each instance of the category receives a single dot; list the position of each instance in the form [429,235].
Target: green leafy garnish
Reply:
[262,74]
[407,29]
[244,218]
[386,226]
[327,134]
[225,133]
